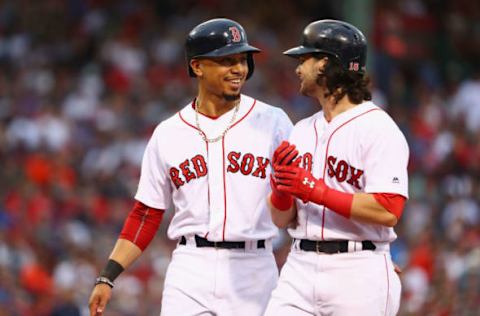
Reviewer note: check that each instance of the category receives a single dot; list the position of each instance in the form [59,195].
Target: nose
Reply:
[239,66]
[297,70]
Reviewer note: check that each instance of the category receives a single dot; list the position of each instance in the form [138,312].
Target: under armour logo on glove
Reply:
[310,183]
[297,181]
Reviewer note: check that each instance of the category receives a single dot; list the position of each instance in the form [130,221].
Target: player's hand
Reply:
[397,269]
[281,200]
[299,182]
[98,299]
[274,186]
[284,154]
[273,183]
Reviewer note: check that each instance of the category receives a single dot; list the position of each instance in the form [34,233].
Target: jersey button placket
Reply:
[215,179]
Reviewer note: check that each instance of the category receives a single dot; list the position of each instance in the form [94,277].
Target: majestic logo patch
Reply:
[395,180]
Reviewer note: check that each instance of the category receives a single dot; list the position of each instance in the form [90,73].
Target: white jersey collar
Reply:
[351,113]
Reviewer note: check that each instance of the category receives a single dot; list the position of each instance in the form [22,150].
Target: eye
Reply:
[232,61]
[303,58]
[225,61]
[222,60]
[229,61]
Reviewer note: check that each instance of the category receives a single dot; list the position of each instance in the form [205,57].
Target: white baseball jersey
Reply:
[360,150]
[218,189]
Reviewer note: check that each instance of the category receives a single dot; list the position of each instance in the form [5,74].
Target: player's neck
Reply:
[331,108]
[214,106]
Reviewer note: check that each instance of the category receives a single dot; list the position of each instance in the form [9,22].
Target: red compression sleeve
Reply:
[392,202]
[141,225]
[337,201]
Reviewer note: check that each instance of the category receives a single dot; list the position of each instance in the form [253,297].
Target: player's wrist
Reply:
[281,201]
[109,273]
[337,201]
[104,280]
[312,189]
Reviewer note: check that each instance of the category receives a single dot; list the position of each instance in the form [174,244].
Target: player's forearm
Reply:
[366,209]
[359,206]
[282,218]
[125,252]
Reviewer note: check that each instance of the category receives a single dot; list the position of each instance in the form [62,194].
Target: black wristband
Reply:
[112,270]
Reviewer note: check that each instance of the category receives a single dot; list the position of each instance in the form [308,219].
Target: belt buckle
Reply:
[215,244]
[317,247]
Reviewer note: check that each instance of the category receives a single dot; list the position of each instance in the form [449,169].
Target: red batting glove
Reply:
[300,183]
[284,154]
[280,200]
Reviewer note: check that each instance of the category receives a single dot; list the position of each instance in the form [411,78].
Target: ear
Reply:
[195,65]
[320,65]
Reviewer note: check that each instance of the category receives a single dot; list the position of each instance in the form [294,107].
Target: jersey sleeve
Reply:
[154,187]
[386,160]
[294,135]
[284,127]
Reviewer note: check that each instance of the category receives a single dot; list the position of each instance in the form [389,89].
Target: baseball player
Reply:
[344,193]
[211,160]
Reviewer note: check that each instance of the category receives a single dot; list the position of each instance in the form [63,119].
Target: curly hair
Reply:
[341,82]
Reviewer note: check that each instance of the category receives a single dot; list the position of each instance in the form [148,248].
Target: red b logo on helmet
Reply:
[236,35]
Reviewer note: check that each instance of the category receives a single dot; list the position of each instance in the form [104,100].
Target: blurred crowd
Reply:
[84,83]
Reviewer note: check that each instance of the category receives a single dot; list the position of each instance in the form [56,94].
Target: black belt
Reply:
[203,242]
[332,246]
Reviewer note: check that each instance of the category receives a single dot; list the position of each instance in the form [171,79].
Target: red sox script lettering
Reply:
[341,170]
[185,169]
[247,163]
[196,167]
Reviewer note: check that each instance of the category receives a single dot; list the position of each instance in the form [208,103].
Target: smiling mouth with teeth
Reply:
[235,82]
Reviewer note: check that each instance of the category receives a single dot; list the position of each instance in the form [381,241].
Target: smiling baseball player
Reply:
[212,161]
[349,186]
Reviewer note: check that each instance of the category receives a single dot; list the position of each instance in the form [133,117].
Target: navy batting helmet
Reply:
[216,38]
[339,39]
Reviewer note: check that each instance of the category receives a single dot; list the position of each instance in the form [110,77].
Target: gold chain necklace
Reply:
[216,139]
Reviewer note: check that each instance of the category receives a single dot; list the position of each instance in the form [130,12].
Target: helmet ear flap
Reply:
[251,65]
[190,71]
